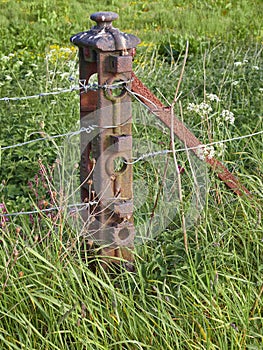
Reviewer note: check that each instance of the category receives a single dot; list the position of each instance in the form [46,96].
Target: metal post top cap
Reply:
[103,36]
[102,17]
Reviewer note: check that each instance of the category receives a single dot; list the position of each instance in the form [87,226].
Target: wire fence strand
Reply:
[41,94]
[88,130]
[201,146]
[73,209]
[83,87]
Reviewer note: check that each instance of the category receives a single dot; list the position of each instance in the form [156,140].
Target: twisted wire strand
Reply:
[144,156]
[167,151]
[88,130]
[83,87]
[76,208]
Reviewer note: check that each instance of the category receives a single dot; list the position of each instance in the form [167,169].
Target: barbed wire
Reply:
[41,94]
[86,87]
[84,206]
[88,130]
[91,128]
[77,207]
[201,146]
[83,87]
[167,151]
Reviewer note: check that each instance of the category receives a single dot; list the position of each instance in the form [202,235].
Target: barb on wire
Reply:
[167,151]
[83,88]
[74,208]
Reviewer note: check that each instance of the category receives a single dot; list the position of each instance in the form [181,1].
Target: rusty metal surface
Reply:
[104,18]
[104,170]
[105,37]
[119,64]
[111,184]
[185,135]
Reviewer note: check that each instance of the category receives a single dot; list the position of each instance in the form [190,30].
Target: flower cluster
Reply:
[228,116]
[59,52]
[7,58]
[213,97]
[205,151]
[67,67]
[202,109]
[243,63]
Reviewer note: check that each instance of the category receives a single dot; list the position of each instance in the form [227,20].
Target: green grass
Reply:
[208,298]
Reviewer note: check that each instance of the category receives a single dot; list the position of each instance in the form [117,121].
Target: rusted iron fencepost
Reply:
[106,176]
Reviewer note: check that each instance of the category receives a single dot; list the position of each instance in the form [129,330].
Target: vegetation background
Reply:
[207,298]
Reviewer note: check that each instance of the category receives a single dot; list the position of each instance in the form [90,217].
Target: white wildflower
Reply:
[261,89]
[8,77]
[205,151]
[202,109]
[236,82]
[205,108]
[200,153]
[213,97]
[5,58]
[191,107]
[239,63]
[209,152]
[228,116]
[65,49]
[255,67]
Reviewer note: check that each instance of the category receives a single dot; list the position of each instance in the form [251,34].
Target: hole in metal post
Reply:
[116,90]
[119,165]
[93,80]
[124,234]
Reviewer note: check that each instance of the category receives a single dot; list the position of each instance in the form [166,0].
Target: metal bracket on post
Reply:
[105,173]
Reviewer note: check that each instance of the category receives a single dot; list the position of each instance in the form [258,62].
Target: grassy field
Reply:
[206,297]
